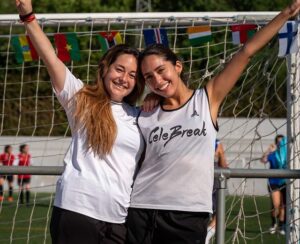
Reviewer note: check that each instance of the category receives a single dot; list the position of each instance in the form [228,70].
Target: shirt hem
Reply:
[104,219]
[173,208]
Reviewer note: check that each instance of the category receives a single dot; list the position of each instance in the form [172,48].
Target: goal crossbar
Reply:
[179,17]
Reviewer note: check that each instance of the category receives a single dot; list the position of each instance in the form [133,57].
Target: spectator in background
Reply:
[276,155]
[24,180]
[219,161]
[7,158]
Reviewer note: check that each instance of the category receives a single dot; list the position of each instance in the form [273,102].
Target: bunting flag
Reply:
[67,47]
[156,36]
[241,33]
[109,39]
[24,49]
[287,39]
[199,34]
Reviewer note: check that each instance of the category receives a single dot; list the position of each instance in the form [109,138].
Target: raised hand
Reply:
[294,8]
[24,6]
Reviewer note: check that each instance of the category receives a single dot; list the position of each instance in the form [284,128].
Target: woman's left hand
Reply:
[293,9]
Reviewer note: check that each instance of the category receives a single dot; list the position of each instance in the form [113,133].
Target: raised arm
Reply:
[219,86]
[43,46]
[271,148]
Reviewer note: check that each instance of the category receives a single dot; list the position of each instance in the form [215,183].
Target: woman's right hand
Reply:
[24,6]
[150,102]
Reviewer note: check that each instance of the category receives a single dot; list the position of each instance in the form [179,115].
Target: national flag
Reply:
[241,33]
[287,39]
[67,46]
[24,49]
[157,35]
[199,34]
[109,39]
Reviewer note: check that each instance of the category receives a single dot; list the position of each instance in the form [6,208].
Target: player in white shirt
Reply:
[171,198]
[93,193]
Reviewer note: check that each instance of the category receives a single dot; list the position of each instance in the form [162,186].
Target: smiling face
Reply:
[120,77]
[161,76]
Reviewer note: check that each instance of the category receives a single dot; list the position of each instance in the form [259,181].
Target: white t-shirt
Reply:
[99,187]
[177,172]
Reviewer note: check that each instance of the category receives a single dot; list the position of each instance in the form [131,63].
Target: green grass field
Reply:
[247,221]
[15,221]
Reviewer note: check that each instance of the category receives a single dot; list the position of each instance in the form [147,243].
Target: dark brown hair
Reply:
[6,148]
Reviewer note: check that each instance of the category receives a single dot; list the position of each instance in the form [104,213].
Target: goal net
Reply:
[261,106]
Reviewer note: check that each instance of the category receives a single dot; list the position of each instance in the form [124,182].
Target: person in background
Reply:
[7,159]
[219,162]
[24,180]
[276,156]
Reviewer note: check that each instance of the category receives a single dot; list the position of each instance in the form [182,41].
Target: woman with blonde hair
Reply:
[93,193]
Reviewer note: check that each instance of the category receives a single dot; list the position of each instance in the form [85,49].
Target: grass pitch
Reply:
[247,220]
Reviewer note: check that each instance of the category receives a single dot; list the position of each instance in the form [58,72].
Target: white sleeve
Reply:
[71,87]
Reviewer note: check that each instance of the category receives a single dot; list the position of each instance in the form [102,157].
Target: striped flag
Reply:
[287,39]
[156,36]
[67,47]
[109,39]
[199,34]
[241,33]
[24,49]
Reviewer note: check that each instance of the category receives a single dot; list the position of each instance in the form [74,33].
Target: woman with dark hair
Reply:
[93,193]
[276,156]
[24,180]
[171,198]
[7,159]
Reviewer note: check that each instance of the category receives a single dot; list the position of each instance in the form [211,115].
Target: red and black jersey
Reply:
[7,159]
[24,160]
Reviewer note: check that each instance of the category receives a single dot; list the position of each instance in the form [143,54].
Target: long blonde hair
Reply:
[93,110]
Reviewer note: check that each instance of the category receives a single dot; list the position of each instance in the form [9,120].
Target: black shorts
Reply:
[67,227]
[281,188]
[9,178]
[147,226]
[22,182]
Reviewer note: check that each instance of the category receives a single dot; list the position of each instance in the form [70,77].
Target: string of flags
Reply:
[24,49]
[287,39]
[109,39]
[157,35]
[241,33]
[67,45]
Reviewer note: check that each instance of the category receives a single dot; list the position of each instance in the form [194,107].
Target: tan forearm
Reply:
[262,37]
[44,48]
[40,41]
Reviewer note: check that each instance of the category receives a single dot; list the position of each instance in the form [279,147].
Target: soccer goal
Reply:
[263,104]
